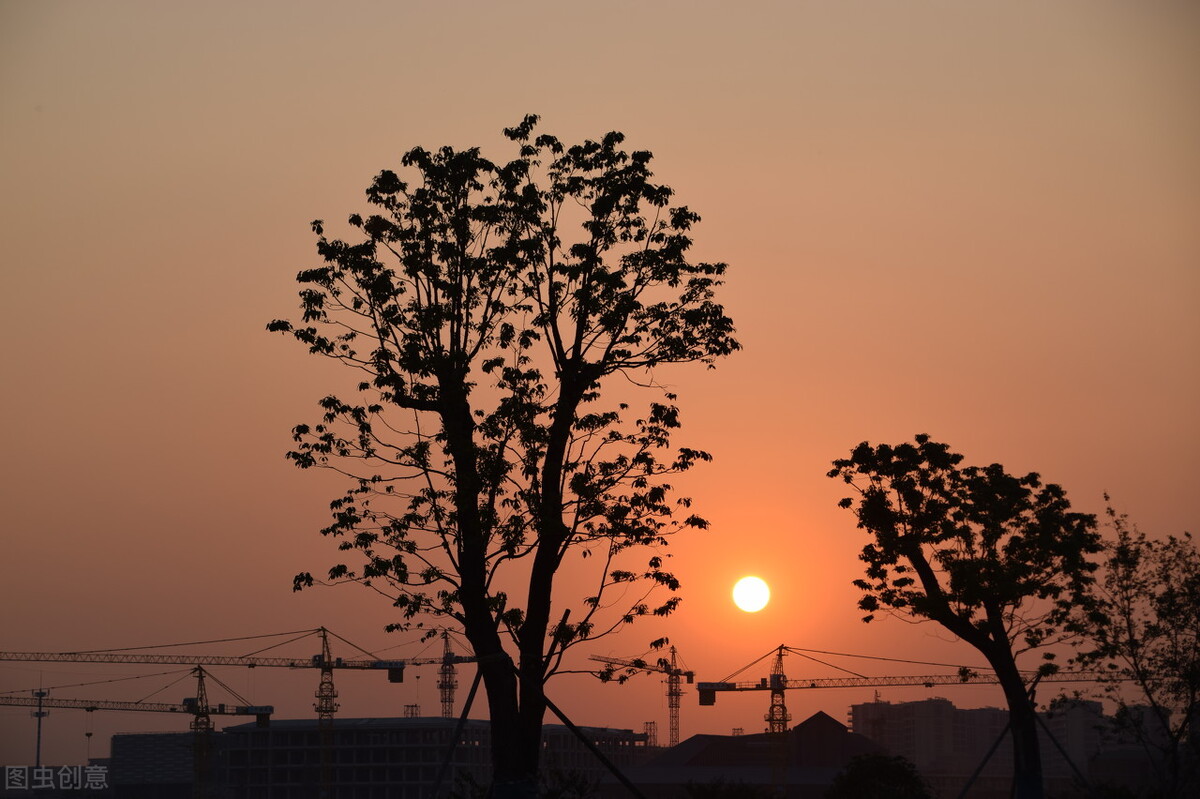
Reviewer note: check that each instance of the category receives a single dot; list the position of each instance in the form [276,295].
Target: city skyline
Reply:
[947,745]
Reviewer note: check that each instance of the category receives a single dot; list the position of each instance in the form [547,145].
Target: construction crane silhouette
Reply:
[326,705]
[191,706]
[662,666]
[777,682]
[197,707]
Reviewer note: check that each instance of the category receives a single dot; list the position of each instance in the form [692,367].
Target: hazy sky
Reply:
[977,220]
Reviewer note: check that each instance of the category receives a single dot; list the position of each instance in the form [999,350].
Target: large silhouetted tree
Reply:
[488,307]
[1143,633]
[997,560]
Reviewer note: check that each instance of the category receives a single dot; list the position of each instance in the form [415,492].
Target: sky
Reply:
[973,220]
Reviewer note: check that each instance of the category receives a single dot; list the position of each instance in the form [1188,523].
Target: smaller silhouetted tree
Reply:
[878,776]
[1144,631]
[998,560]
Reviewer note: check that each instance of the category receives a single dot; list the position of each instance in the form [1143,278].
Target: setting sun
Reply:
[751,594]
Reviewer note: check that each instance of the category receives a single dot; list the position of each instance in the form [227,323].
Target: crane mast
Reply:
[777,717]
[447,677]
[674,692]
[674,689]
[202,727]
[326,695]
[326,705]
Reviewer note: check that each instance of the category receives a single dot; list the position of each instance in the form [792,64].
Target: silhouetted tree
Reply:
[997,560]
[486,307]
[878,776]
[1144,630]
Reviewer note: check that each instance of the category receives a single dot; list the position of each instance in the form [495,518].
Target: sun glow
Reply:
[751,594]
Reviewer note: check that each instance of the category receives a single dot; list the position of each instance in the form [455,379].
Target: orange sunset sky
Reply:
[979,220]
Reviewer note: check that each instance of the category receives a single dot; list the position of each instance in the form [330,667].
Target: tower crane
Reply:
[662,666]
[326,705]
[326,694]
[198,707]
[777,683]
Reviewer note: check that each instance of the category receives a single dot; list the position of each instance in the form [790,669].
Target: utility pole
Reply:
[39,714]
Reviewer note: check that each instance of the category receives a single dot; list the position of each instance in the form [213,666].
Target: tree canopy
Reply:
[487,307]
[998,560]
[878,776]
[1143,633]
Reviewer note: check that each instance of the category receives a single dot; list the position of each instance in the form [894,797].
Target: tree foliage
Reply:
[488,307]
[970,547]
[1144,631]
[996,559]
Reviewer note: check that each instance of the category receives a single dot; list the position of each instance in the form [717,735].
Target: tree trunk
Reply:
[551,533]
[514,773]
[1022,716]
[533,644]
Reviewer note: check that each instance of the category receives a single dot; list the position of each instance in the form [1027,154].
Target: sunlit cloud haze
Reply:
[976,220]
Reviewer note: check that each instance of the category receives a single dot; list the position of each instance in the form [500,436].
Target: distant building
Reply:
[803,764]
[390,758]
[153,765]
[948,744]
[396,758]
